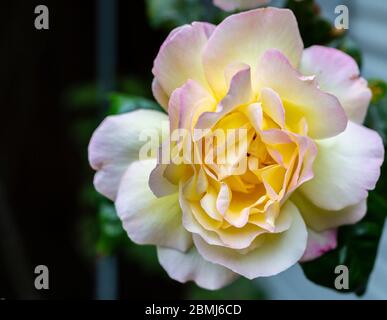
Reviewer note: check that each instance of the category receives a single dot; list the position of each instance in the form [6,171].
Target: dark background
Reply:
[42,168]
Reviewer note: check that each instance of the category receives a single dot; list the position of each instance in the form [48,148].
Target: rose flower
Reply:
[302,166]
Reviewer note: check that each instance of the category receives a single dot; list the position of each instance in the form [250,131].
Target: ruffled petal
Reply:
[301,97]
[337,73]
[147,219]
[116,143]
[239,93]
[346,167]
[244,37]
[320,219]
[277,253]
[180,57]
[158,92]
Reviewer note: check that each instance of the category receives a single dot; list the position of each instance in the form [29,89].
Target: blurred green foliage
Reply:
[314,28]
[377,120]
[111,239]
[122,103]
[169,14]
[377,114]
[111,234]
[317,30]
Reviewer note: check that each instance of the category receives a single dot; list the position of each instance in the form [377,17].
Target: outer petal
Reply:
[337,73]
[231,5]
[158,92]
[244,37]
[147,219]
[180,57]
[301,96]
[116,143]
[319,243]
[188,266]
[276,254]
[320,219]
[346,167]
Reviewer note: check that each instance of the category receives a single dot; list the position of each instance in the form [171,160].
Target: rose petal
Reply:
[159,185]
[337,73]
[244,37]
[158,92]
[190,266]
[239,93]
[147,219]
[272,106]
[319,243]
[180,57]
[278,252]
[115,144]
[346,167]
[187,103]
[301,97]
[197,221]
[320,219]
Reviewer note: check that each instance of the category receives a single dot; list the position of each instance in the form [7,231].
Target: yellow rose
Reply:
[266,152]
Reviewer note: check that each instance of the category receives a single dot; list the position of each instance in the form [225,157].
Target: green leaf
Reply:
[357,249]
[122,103]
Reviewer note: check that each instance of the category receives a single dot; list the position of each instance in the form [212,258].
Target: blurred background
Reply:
[57,85]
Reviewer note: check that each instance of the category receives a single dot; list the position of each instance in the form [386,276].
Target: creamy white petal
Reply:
[116,143]
[190,266]
[346,167]
[147,219]
[337,73]
[244,37]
